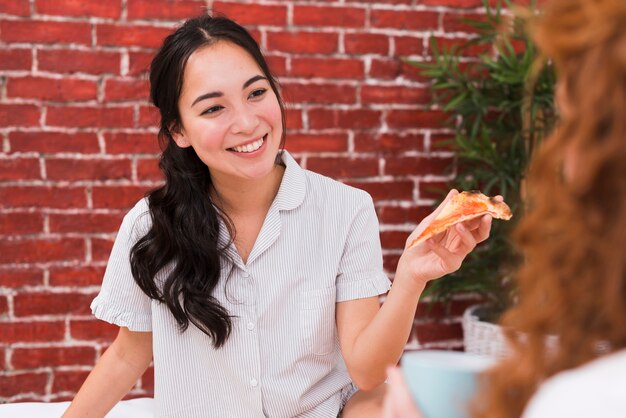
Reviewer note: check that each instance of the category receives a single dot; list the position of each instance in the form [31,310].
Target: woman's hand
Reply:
[443,253]
[398,401]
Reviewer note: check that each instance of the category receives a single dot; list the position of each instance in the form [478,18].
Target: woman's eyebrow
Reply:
[220,94]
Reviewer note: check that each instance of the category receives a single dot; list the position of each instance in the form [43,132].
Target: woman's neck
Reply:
[247,198]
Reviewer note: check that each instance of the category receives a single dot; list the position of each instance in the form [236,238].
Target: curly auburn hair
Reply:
[573,282]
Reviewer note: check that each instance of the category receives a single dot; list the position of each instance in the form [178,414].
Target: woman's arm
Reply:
[114,375]
[373,338]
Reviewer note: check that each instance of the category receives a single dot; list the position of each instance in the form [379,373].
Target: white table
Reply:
[133,408]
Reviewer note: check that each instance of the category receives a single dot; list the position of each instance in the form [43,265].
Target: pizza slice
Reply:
[462,207]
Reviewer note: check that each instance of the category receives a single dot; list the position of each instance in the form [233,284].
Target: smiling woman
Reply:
[252,283]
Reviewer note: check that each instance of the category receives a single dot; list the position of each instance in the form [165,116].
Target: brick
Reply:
[416,118]
[388,143]
[139,63]
[76,275]
[32,331]
[69,61]
[90,117]
[32,358]
[404,19]
[42,197]
[27,304]
[65,89]
[164,9]
[15,59]
[45,32]
[341,167]
[93,223]
[442,142]
[253,14]
[366,43]
[19,115]
[447,43]
[453,22]
[15,384]
[19,277]
[348,119]
[92,330]
[394,239]
[15,7]
[54,142]
[399,215]
[409,45]
[382,1]
[101,249]
[327,68]
[438,331]
[317,143]
[350,17]
[131,143]
[88,169]
[416,166]
[130,35]
[117,197]
[126,90]
[148,169]
[294,118]
[390,262]
[392,69]
[19,169]
[394,95]
[277,65]
[68,380]
[386,190]
[455,3]
[4,308]
[443,310]
[432,190]
[319,93]
[29,250]
[19,223]
[82,8]
[149,117]
[303,42]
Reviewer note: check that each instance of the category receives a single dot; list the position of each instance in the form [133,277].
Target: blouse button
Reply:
[250,326]
[254,383]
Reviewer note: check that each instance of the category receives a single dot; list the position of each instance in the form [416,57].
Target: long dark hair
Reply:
[185,224]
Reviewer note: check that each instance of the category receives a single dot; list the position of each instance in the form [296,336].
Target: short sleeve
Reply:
[361,272]
[121,301]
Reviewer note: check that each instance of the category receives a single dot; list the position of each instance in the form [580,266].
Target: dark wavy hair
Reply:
[185,223]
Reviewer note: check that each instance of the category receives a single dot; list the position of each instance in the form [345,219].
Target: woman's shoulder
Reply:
[593,389]
[320,184]
[137,220]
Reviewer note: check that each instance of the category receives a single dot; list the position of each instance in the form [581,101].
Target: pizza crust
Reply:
[463,207]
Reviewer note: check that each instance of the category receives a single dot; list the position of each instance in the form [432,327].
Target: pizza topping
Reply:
[463,207]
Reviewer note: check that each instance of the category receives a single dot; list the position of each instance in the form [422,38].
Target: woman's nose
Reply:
[245,121]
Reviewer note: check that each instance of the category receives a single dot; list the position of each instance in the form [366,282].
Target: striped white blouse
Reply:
[319,245]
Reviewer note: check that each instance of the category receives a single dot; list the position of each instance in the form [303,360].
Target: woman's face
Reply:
[229,113]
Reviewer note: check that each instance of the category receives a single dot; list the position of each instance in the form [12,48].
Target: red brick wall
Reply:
[78,146]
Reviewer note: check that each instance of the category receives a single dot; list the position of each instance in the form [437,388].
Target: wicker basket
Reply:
[482,338]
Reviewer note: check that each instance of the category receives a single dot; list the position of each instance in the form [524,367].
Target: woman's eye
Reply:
[212,110]
[258,93]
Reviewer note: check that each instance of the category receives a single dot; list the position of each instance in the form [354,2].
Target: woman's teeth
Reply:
[250,147]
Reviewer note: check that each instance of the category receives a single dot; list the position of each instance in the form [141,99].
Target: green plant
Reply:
[500,105]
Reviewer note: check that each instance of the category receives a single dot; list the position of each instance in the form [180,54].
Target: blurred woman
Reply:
[573,282]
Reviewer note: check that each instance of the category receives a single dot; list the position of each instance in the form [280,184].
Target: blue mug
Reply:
[443,382]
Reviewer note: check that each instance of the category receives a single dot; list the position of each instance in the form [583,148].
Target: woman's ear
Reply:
[178,136]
